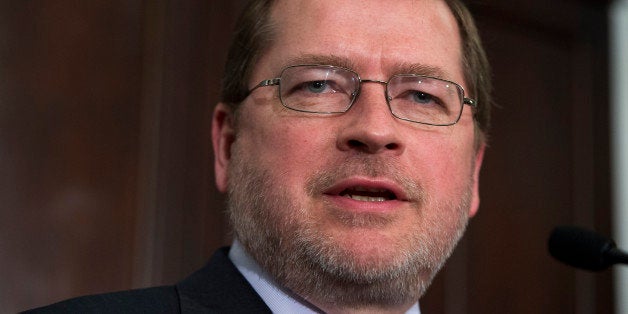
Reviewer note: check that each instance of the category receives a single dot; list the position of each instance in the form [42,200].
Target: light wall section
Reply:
[619,119]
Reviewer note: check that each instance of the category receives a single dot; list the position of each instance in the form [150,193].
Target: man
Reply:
[349,140]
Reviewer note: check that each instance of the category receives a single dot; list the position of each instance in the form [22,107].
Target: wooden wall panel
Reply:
[69,117]
[182,213]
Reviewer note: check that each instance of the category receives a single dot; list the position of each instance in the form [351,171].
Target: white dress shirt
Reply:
[278,299]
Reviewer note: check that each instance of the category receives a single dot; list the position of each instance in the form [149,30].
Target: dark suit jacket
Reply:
[216,288]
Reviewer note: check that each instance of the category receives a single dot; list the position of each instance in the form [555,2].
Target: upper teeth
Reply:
[365,198]
[365,194]
[363,189]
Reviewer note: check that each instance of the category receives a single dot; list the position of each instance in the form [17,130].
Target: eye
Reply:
[316,86]
[320,82]
[421,97]
[416,91]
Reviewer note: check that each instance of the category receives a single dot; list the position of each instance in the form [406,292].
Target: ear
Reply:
[475,201]
[223,135]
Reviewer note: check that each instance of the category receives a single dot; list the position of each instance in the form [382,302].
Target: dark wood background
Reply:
[106,170]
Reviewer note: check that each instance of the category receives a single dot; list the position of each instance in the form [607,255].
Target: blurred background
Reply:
[106,169]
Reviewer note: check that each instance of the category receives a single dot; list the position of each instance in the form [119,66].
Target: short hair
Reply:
[254,33]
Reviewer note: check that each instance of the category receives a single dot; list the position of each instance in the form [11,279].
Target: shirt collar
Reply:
[278,299]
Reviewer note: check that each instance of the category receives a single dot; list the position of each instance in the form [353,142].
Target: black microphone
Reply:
[584,249]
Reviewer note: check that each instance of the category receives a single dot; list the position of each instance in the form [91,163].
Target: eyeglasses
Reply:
[327,89]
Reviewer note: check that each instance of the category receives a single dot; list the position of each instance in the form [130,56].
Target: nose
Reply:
[369,126]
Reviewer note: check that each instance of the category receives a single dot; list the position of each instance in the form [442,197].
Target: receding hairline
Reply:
[395,67]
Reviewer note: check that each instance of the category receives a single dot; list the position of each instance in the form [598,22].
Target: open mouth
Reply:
[364,194]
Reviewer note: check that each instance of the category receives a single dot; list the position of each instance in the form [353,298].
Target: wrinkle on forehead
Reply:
[382,16]
[372,37]
[396,68]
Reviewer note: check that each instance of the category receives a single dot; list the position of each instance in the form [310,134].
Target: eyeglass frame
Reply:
[277,82]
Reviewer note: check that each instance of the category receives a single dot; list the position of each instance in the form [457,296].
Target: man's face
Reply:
[359,201]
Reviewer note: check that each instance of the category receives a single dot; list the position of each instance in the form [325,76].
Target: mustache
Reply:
[367,166]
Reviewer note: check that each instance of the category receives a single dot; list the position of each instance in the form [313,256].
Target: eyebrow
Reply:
[420,69]
[399,68]
[322,59]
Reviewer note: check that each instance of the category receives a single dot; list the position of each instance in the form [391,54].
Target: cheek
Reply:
[445,165]
[290,148]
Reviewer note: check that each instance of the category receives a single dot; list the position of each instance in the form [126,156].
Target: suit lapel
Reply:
[219,288]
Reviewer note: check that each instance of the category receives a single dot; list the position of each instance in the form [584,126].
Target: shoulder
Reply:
[150,300]
[216,288]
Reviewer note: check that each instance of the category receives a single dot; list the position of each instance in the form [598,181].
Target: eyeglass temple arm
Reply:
[268,82]
[470,102]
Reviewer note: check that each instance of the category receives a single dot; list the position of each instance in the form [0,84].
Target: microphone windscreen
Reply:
[580,248]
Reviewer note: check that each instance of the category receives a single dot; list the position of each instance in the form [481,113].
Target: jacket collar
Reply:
[219,287]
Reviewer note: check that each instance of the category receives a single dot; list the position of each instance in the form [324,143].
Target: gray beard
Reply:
[284,239]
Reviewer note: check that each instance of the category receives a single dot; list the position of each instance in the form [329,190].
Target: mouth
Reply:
[366,194]
[368,190]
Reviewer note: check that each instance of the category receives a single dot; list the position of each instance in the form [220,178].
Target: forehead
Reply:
[373,37]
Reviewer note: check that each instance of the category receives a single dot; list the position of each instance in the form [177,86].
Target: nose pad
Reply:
[370,126]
